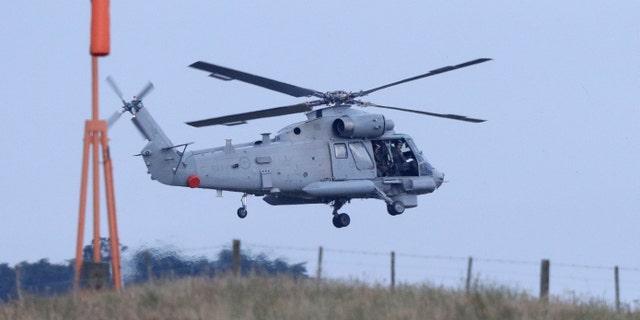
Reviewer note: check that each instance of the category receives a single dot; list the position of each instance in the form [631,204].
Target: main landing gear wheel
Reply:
[242,212]
[341,220]
[396,208]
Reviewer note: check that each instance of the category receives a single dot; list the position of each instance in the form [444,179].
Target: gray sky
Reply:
[552,174]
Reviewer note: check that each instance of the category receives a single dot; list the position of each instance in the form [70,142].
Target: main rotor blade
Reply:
[433,114]
[241,118]
[428,74]
[223,73]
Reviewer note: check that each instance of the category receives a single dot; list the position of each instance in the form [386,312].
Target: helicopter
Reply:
[338,154]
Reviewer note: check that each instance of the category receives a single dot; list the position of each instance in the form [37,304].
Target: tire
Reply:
[341,220]
[344,219]
[396,208]
[242,213]
[336,221]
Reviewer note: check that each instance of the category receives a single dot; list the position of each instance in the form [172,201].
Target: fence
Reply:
[568,281]
[619,286]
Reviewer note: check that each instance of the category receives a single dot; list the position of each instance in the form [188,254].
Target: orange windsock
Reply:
[100,43]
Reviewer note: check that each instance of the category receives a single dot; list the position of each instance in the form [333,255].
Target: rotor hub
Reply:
[337,97]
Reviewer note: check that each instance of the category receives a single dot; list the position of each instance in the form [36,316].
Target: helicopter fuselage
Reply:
[329,157]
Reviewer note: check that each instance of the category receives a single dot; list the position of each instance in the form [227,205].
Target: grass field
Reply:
[287,298]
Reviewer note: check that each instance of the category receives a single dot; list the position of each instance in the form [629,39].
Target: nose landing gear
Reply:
[395,208]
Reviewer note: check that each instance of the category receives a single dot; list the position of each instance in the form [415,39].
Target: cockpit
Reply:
[396,157]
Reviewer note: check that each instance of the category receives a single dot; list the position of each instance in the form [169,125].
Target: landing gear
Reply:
[340,220]
[242,211]
[395,208]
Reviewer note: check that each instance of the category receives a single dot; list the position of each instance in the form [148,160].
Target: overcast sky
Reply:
[552,174]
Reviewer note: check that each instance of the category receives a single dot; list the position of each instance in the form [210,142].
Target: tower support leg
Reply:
[95,136]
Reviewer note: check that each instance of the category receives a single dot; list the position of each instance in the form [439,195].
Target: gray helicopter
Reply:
[337,154]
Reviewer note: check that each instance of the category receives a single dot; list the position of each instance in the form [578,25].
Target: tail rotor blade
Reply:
[115,88]
[114,117]
[145,91]
[132,106]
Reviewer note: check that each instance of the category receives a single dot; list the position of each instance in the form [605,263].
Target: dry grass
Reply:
[286,298]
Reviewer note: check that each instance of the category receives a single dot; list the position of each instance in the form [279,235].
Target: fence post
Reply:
[617,281]
[235,262]
[319,272]
[544,280]
[393,270]
[95,275]
[18,284]
[469,265]
[147,259]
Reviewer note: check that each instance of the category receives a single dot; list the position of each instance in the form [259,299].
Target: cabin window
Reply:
[340,150]
[361,156]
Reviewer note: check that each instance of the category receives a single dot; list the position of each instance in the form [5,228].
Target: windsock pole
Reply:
[95,136]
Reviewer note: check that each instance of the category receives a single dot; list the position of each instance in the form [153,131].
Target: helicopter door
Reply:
[394,158]
[351,160]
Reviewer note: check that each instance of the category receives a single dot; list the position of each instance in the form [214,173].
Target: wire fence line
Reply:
[572,281]
[614,284]
[435,257]
[567,280]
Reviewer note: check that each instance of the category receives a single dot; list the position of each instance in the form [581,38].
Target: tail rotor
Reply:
[133,106]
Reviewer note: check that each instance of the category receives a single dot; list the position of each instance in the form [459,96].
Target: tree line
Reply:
[43,278]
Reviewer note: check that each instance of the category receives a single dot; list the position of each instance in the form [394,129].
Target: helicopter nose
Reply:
[438,177]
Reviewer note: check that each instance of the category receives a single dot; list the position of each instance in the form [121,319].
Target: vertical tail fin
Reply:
[160,156]
[149,128]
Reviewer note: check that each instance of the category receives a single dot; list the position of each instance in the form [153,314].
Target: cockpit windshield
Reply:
[423,166]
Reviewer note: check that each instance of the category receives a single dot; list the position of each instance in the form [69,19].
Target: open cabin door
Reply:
[394,157]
